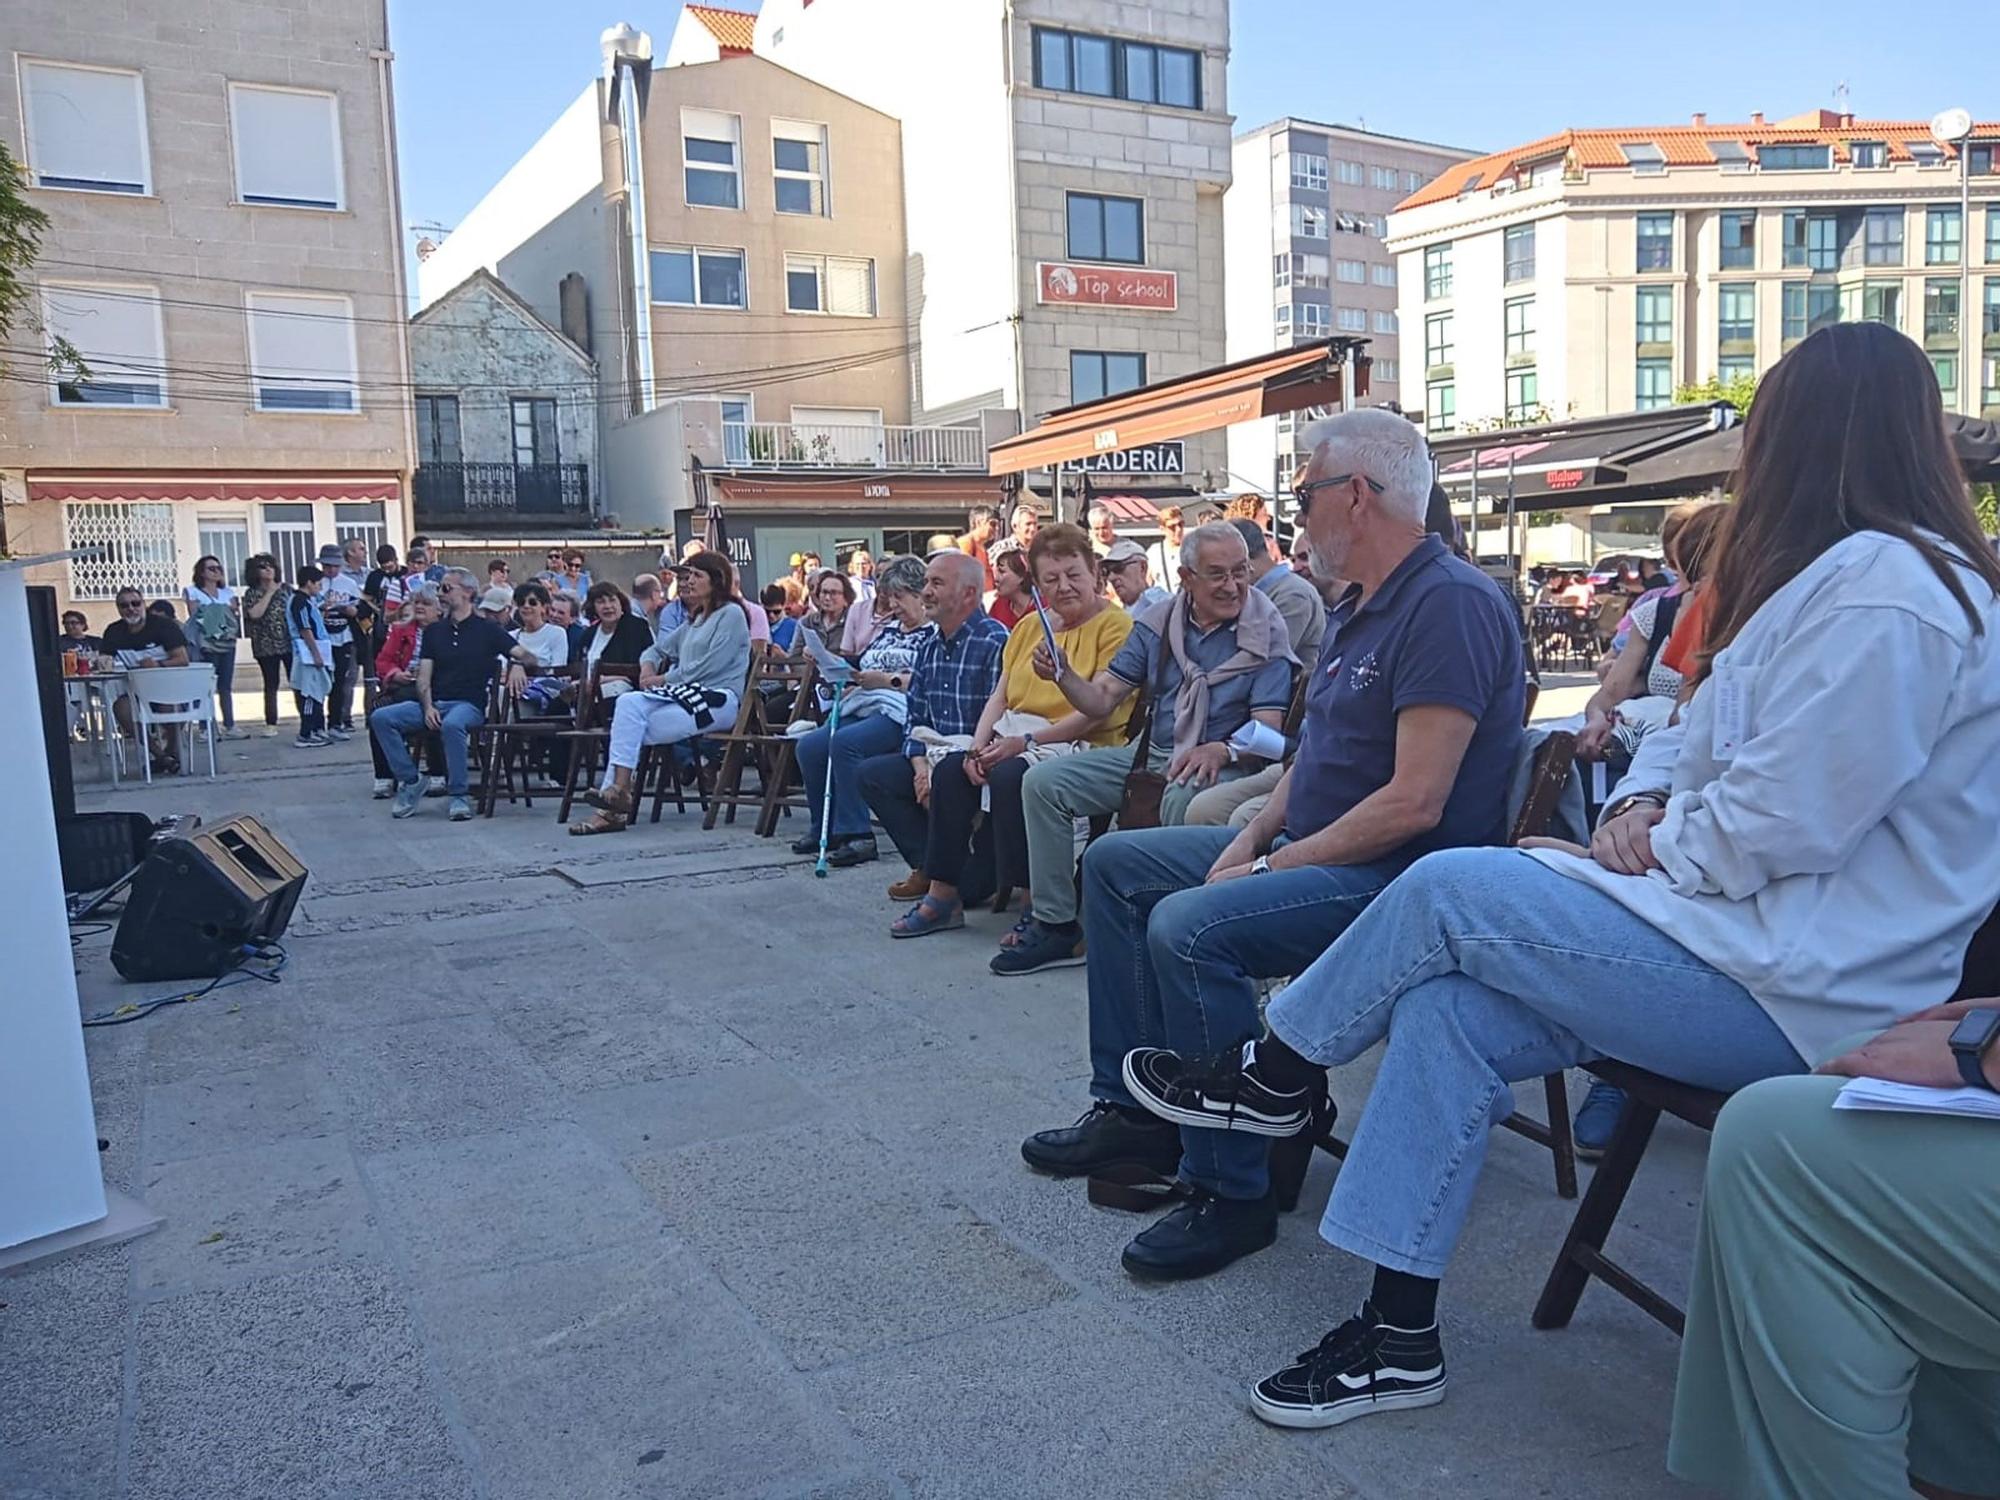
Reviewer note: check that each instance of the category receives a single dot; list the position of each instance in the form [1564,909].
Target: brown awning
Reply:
[853,492]
[1266,386]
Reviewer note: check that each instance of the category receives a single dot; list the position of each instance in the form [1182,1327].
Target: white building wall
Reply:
[1249,242]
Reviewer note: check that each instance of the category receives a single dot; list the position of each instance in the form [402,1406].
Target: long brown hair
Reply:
[1847,435]
[721,579]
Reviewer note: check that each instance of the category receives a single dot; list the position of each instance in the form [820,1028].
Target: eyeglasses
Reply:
[125,604]
[1216,577]
[1303,494]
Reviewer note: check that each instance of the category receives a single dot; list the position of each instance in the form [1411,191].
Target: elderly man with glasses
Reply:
[1412,728]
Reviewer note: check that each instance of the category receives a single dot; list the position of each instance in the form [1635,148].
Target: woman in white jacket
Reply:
[1804,857]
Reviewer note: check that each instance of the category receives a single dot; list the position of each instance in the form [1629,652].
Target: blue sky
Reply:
[476,84]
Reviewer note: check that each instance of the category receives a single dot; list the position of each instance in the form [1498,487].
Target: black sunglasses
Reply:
[1302,495]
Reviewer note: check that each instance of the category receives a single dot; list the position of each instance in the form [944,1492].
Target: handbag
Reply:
[1145,788]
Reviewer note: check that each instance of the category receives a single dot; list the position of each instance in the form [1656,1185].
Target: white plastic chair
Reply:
[172,695]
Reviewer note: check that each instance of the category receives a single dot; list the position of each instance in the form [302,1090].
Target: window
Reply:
[1653,314]
[361,521]
[1518,253]
[1811,240]
[287,145]
[1809,307]
[138,542]
[1872,302]
[1654,384]
[1739,241]
[708,156]
[1349,172]
[798,167]
[1382,177]
[1108,229]
[1730,155]
[1867,155]
[1992,233]
[736,429]
[1440,406]
[1437,272]
[1308,171]
[1384,370]
[116,332]
[302,352]
[1794,158]
[1982,160]
[1375,224]
[288,536]
[1438,340]
[1925,153]
[1308,222]
[1736,313]
[1282,320]
[1352,271]
[1945,367]
[1941,307]
[1523,394]
[86,128]
[1989,321]
[1385,322]
[437,431]
[1095,373]
[1944,236]
[1656,242]
[1882,237]
[1353,319]
[1989,382]
[1412,181]
[1307,269]
[1072,63]
[687,277]
[1644,158]
[839,285]
[1735,367]
[534,431]
[1518,320]
[226,539]
[1382,275]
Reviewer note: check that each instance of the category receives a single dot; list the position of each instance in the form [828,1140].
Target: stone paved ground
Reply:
[648,1166]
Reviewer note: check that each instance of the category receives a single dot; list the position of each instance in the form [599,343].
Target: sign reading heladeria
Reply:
[1147,458]
[1064,285]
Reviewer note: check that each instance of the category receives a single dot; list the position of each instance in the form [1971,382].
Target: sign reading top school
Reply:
[1147,458]
[1064,285]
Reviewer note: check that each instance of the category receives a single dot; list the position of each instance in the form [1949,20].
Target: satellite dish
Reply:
[1951,127]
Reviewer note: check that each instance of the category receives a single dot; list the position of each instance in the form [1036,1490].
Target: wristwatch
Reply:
[1971,1040]
[1261,865]
[1234,754]
[1625,804]
[1027,742]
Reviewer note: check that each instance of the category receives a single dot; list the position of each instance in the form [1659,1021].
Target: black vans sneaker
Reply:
[1362,1367]
[1214,1093]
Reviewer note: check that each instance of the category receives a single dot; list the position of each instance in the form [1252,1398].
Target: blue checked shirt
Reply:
[954,677]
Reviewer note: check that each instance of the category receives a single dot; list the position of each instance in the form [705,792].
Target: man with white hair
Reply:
[1103,530]
[1215,664]
[1412,727]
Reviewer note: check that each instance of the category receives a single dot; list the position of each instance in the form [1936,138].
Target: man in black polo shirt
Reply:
[141,639]
[458,658]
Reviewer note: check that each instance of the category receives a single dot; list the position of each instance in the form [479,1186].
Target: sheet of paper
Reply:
[831,667]
[1911,1099]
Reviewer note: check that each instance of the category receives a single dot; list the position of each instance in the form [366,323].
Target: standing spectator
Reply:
[1012,601]
[861,569]
[552,562]
[216,622]
[955,671]
[312,654]
[1163,558]
[1124,568]
[458,658]
[270,635]
[499,573]
[339,599]
[1298,601]
[982,530]
[368,614]
[1025,521]
[1103,531]
[376,586]
[423,562]
[576,576]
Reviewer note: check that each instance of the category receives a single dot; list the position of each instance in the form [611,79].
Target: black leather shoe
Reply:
[1202,1236]
[807,845]
[1105,1137]
[854,851]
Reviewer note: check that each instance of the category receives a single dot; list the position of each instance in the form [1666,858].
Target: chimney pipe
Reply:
[1756,117]
[1700,118]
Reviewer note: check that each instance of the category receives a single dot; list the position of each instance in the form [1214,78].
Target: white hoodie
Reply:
[1833,834]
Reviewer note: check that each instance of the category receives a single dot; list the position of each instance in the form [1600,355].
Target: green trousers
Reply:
[1843,1329]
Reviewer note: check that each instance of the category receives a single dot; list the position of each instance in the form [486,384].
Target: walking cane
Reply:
[826,801]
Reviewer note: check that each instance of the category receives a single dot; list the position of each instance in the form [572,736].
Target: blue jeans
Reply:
[391,723]
[223,660]
[1175,963]
[859,739]
[1483,967]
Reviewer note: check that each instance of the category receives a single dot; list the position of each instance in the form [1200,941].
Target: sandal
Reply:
[601,822]
[928,916]
[1012,937]
[611,799]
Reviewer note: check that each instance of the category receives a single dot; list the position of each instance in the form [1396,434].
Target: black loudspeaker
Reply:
[197,901]
[53,702]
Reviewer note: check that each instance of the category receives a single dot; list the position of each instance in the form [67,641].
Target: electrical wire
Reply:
[263,952]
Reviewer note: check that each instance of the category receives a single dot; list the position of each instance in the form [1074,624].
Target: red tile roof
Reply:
[1680,145]
[733,30]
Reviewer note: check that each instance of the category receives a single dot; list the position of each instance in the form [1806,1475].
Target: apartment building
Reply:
[1064,165]
[1594,271]
[1305,231]
[223,255]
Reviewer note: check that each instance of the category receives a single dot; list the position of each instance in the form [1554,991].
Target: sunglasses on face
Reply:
[125,604]
[1302,494]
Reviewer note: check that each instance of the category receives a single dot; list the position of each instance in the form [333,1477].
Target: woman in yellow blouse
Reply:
[1027,719]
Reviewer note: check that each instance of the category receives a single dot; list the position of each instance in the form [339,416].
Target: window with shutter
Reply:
[287,147]
[86,128]
[708,146]
[116,333]
[302,352]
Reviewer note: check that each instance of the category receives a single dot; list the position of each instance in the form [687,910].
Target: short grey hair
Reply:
[1219,532]
[1098,510]
[900,575]
[463,578]
[426,591]
[570,594]
[1387,448]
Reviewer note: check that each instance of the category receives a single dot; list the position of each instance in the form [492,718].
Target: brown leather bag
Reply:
[1145,788]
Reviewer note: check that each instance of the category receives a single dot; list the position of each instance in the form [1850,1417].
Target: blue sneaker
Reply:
[1596,1120]
[408,795]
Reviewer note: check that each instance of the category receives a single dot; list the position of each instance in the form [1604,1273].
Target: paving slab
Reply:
[236,1111]
[599,1038]
[433,1080]
[639,1119]
[62,1375]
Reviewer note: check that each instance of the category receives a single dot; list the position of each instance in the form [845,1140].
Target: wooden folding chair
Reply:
[590,738]
[512,740]
[758,736]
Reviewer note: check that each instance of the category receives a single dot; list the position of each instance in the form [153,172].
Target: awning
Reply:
[1570,463]
[854,492]
[236,488]
[1709,462]
[1270,384]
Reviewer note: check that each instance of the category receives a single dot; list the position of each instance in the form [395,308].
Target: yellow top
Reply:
[1089,648]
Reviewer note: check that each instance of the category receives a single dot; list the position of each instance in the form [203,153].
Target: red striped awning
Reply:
[151,484]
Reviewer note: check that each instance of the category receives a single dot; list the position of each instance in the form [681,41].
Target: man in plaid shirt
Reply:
[955,673]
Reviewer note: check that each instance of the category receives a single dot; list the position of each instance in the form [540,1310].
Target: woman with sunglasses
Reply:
[215,621]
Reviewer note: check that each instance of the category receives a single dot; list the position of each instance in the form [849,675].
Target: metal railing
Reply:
[778,445]
[495,492]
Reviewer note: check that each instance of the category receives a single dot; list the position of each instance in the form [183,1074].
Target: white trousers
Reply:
[640,719]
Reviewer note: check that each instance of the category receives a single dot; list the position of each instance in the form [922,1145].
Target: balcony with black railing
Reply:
[497,494]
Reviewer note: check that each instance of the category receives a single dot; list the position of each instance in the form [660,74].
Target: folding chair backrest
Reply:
[593,707]
[1295,711]
[172,695]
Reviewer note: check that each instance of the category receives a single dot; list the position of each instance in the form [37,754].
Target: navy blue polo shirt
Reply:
[1438,631]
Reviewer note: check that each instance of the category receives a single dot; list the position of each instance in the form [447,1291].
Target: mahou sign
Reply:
[1064,285]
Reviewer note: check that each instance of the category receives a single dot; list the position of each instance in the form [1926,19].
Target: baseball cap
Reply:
[1125,550]
[497,598]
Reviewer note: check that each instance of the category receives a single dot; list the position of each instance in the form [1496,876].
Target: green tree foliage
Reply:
[21,226]
[1738,391]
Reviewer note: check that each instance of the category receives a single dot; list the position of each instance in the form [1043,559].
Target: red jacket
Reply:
[397,650]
